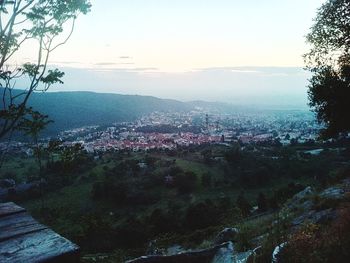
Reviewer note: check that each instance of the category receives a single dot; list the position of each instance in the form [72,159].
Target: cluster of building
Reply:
[210,128]
[181,129]
[148,141]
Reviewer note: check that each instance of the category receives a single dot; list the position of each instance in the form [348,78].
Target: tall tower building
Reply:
[207,121]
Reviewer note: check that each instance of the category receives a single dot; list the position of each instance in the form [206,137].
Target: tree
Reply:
[329,62]
[32,127]
[41,24]
[201,215]
[234,154]
[52,148]
[207,156]
[71,156]
[243,204]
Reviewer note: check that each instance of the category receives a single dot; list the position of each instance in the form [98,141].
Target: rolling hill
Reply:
[76,109]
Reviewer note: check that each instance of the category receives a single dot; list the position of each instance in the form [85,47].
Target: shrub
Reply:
[201,215]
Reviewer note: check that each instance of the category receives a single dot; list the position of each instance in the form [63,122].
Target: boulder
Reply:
[227,234]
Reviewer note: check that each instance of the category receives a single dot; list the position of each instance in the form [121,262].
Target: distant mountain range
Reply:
[76,109]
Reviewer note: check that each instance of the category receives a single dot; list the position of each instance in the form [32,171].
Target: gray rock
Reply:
[307,205]
[228,234]
[324,216]
[303,194]
[299,198]
[224,254]
[333,193]
[242,257]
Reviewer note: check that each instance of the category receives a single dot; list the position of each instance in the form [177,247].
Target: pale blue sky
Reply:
[127,44]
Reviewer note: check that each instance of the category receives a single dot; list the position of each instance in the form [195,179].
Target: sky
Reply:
[218,50]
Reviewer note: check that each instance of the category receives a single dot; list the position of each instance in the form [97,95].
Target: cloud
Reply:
[113,63]
[145,69]
[105,64]
[65,62]
[244,71]
[123,69]
[262,71]
[230,69]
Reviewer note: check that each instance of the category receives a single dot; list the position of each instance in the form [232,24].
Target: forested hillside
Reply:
[75,109]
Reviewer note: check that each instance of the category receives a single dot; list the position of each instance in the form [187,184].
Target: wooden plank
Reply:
[18,224]
[9,209]
[15,219]
[40,246]
[23,239]
[19,230]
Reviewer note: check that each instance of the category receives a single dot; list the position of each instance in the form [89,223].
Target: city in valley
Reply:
[168,131]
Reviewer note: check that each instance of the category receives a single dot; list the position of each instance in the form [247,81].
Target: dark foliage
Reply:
[243,204]
[329,61]
[262,203]
[202,215]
